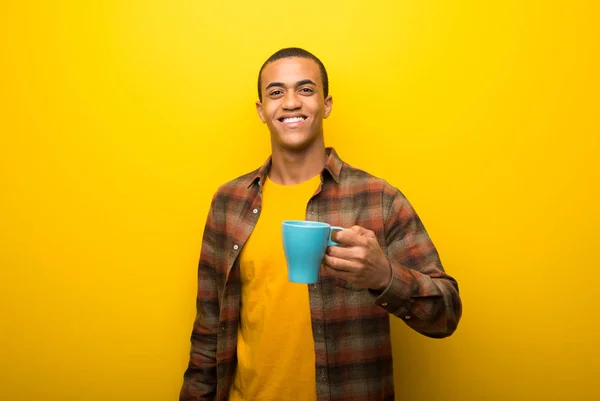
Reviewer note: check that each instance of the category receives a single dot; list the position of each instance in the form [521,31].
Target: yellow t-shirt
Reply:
[275,347]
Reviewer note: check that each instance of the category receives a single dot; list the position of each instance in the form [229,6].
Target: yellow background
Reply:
[119,119]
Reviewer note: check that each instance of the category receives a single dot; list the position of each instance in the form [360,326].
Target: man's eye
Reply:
[306,90]
[276,93]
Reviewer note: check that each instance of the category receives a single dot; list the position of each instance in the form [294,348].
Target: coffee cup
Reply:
[304,246]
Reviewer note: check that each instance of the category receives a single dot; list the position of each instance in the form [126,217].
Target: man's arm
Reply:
[200,378]
[419,292]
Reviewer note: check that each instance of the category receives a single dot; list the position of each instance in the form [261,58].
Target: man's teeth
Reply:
[293,119]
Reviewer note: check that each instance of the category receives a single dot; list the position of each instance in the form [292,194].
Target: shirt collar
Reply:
[333,165]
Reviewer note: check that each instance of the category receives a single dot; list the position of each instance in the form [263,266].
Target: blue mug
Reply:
[304,245]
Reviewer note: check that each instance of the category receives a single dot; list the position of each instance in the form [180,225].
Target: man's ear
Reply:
[259,110]
[328,106]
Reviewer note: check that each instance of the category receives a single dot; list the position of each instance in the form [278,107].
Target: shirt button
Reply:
[384,304]
[255,211]
[235,247]
[407,317]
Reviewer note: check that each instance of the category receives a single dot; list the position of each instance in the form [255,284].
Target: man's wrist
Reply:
[385,282]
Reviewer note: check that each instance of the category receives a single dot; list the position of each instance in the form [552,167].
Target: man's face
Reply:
[293,105]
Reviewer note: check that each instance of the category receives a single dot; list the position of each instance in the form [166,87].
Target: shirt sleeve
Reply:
[200,377]
[420,292]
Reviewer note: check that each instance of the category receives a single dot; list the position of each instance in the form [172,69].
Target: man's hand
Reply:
[359,260]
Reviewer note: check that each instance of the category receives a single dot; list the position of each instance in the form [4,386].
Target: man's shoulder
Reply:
[235,189]
[362,185]
[239,183]
[355,177]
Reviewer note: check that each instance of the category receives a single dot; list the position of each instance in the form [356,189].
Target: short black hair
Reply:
[295,52]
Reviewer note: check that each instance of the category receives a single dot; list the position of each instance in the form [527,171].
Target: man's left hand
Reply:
[360,260]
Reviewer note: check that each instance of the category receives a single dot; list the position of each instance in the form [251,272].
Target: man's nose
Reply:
[291,101]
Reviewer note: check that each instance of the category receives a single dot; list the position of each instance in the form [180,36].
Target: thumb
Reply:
[360,231]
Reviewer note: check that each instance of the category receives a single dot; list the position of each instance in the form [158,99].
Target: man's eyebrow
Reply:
[299,83]
[272,84]
[305,82]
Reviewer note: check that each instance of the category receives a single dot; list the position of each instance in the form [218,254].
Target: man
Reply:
[259,337]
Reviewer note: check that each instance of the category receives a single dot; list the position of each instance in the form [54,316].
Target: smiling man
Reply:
[259,337]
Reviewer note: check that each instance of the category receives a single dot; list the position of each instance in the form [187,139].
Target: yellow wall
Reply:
[118,120]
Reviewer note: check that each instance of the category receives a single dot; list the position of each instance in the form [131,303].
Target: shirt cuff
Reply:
[396,298]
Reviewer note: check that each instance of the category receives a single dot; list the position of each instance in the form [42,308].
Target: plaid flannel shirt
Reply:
[350,325]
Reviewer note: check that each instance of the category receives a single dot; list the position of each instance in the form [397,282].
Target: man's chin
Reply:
[296,146]
[295,140]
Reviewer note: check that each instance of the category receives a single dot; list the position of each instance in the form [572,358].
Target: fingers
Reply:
[354,236]
[353,253]
[340,265]
[363,231]
[359,230]
[341,274]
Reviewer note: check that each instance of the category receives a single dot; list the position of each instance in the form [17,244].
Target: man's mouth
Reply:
[292,120]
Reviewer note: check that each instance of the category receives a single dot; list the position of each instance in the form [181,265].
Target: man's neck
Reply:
[290,168]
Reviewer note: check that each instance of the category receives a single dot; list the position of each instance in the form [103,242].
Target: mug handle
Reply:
[331,242]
